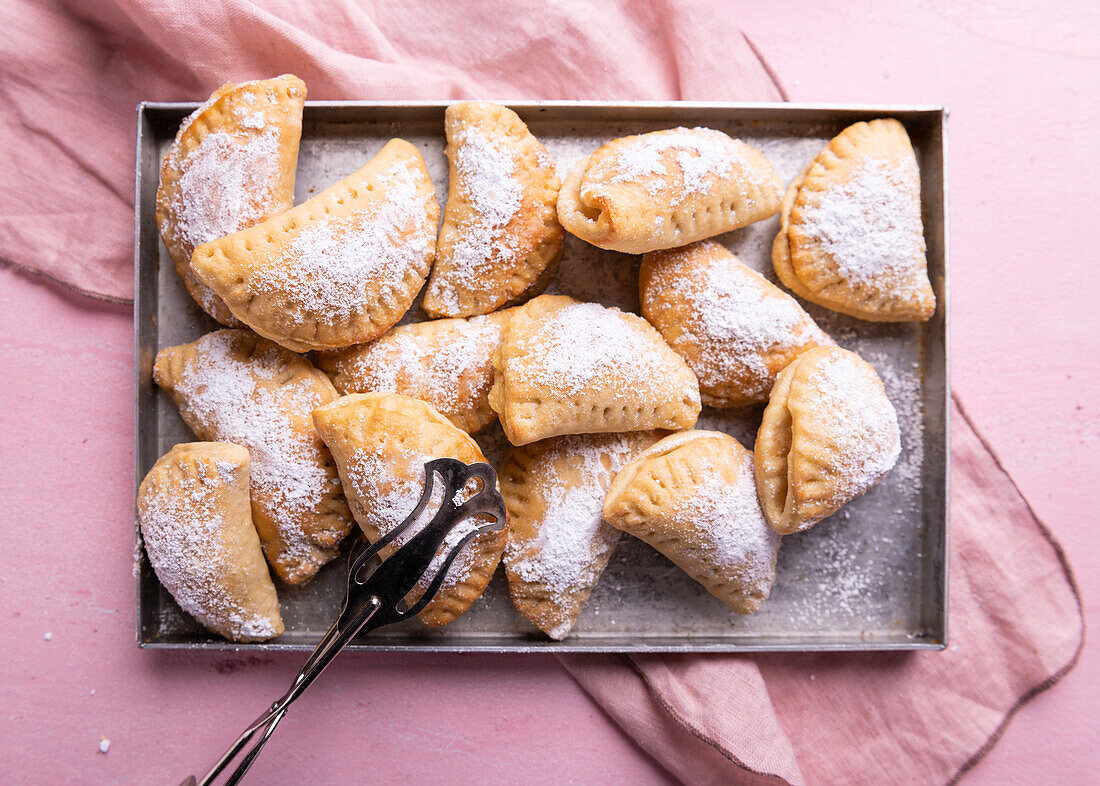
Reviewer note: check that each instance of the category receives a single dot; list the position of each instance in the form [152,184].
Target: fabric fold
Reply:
[1015,627]
[71,74]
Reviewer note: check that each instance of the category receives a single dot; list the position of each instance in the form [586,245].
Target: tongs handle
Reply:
[379,598]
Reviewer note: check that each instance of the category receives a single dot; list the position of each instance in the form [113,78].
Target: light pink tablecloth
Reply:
[115,55]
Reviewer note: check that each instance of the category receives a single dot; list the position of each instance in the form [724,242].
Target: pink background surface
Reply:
[1026,364]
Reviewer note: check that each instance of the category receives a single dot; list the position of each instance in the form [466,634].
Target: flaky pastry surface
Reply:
[196,524]
[230,167]
[501,239]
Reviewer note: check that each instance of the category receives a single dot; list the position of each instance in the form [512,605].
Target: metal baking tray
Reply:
[871,577]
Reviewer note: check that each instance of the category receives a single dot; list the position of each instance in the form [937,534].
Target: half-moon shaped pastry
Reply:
[233,386]
[851,237]
[692,497]
[580,368]
[230,167]
[500,239]
[339,269]
[558,542]
[828,434]
[667,188]
[445,362]
[197,526]
[734,328]
[381,442]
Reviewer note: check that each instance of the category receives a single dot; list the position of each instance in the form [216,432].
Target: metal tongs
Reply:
[376,598]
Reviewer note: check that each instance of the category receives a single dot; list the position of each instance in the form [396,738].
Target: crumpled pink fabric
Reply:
[1014,628]
[70,76]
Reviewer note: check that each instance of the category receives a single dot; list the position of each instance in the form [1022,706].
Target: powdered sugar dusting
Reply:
[583,343]
[568,552]
[450,374]
[870,224]
[229,181]
[700,156]
[486,178]
[868,445]
[733,321]
[184,526]
[339,267]
[734,536]
[243,402]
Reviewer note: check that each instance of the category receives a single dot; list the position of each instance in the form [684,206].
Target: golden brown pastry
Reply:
[828,434]
[667,188]
[339,269]
[692,497]
[197,526]
[851,237]
[381,442]
[445,362]
[233,386]
[230,167]
[734,328]
[500,239]
[579,368]
[558,542]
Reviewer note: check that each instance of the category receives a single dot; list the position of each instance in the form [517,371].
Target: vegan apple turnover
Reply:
[829,433]
[446,362]
[339,269]
[381,442]
[667,188]
[501,238]
[692,497]
[734,328]
[851,237]
[233,386]
[558,542]
[196,523]
[580,368]
[230,167]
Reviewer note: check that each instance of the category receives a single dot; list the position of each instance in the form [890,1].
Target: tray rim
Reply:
[578,645]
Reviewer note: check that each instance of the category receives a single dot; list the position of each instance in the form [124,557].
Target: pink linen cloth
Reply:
[70,77]
[71,74]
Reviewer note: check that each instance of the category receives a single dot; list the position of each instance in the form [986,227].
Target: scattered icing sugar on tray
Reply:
[859,569]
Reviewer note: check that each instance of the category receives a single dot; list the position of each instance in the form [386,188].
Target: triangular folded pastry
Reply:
[828,434]
[667,188]
[381,442]
[445,362]
[734,328]
[339,269]
[851,237]
[233,386]
[500,239]
[558,542]
[230,167]
[692,497]
[197,527]
[580,368]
